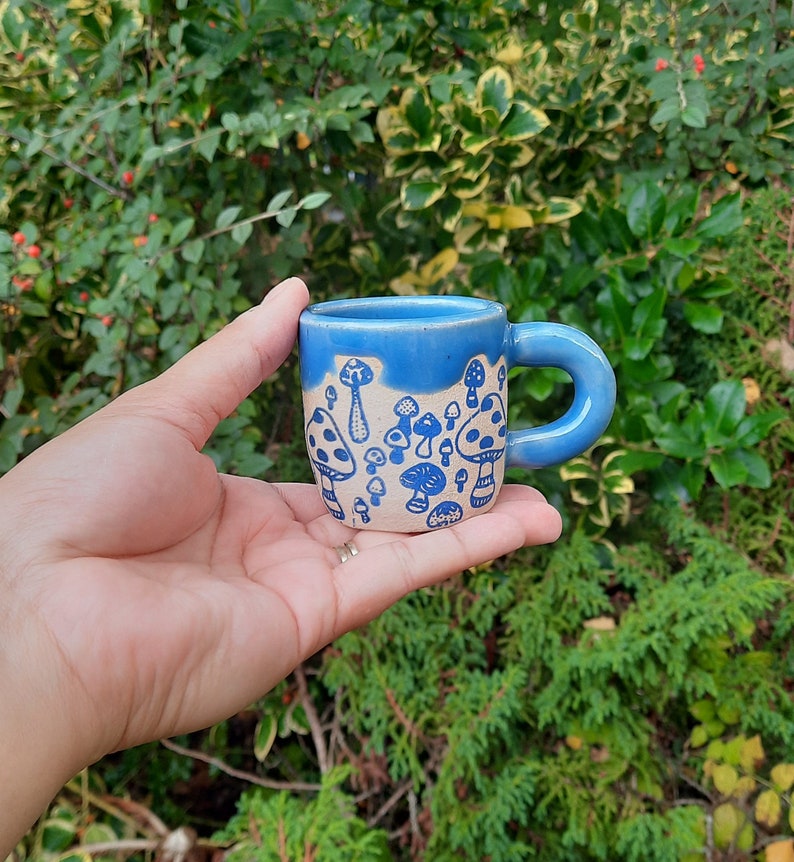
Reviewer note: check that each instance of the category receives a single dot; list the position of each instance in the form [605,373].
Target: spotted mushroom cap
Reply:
[406,406]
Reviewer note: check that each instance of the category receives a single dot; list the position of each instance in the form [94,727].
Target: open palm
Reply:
[158,596]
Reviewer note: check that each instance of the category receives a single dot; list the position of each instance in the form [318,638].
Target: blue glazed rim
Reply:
[400,310]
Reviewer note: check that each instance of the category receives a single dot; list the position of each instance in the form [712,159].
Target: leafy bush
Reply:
[602,164]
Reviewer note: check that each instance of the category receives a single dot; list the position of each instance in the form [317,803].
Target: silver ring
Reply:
[346,551]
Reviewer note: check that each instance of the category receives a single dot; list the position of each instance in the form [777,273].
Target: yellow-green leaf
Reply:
[698,737]
[782,775]
[725,778]
[420,194]
[511,53]
[522,122]
[752,754]
[439,266]
[264,737]
[728,820]
[744,787]
[514,218]
[768,809]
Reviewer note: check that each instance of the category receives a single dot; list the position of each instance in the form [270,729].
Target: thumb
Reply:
[210,381]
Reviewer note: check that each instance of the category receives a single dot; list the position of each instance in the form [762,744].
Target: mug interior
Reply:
[404,309]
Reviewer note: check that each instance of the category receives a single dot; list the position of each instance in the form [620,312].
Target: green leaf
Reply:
[313,200]
[495,93]
[208,144]
[181,229]
[418,112]
[227,216]
[682,247]
[703,318]
[724,407]
[694,116]
[278,200]
[241,232]
[727,470]
[758,473]
[646,210]
[668,110]
[265,736]
[522,121]
[193,251]
[422,194]
[724,219]
[286,217]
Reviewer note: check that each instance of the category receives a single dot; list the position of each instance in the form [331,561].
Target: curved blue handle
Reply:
[554,345]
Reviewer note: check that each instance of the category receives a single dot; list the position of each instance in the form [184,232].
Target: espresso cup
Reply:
[405,405]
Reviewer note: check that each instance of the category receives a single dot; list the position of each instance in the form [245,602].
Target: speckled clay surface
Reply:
[405,403]
[413,461]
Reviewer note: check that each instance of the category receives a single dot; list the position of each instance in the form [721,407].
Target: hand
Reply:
[144,595]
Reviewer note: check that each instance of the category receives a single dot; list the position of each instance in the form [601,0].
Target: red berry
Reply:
[107,320]
[84,296]
[128,177]
[213,25]
[34,250]
[20,57]
[24,284]
[18,238]
[661,64]
[68,203]
[139,241]
[153,217]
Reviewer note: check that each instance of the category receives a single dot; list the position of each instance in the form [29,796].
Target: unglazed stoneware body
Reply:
[405,403]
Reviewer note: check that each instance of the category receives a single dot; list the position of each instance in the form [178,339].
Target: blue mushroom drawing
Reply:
[473,380]
[361,508]
[330,456]
[375,457]
[330,396]
[481,440]
[425,480]
[428,428]
[445,514]
[405,410]
[356,373]
[376,488]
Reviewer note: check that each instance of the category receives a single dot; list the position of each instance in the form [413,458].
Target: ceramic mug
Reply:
[405,405]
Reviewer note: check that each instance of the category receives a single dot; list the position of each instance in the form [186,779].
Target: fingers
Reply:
[382,574]
[208,383]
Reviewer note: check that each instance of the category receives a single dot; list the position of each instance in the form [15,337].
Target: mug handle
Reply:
[555,345]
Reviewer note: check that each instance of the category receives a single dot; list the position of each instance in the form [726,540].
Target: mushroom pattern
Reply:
[355,373]
[425,480]
[405,409]
[474,379]
[501,375]
[461,477]
[445,450]
[330,396]
[375,457]
[398,443]
[331,457]
[452,414]
[484,445]
[428,428]
[376,488]
[361,508]
[445,513]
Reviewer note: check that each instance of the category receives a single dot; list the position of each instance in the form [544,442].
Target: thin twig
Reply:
[314,720]
[239,773]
